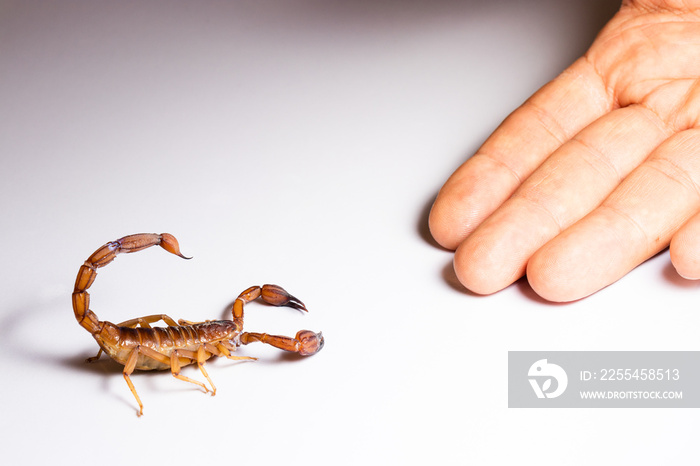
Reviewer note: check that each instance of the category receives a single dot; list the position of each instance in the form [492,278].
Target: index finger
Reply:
[549,118]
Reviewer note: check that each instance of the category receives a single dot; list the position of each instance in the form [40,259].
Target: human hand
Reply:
[595,173]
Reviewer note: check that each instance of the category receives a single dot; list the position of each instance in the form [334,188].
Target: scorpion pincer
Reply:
[136,345]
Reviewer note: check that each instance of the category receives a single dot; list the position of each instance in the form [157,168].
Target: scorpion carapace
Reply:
[137,345]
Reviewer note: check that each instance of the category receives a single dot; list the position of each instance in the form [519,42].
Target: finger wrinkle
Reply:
[502,164]
[641,92]
[608,80]
[674,7]
[627,218]
[606,98]
[548,122]
[655,119]
[674,101]
[675,173]
[539,206]
[598,161]
[690,107]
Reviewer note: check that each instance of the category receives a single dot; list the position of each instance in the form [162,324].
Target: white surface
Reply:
[298,143]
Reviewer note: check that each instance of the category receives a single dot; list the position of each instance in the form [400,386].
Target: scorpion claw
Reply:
[278,296]
[295,303]
[309,342]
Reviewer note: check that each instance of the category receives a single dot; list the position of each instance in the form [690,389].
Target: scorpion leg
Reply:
[128,369]
[199,357]
[173,361]
[131,365]
[190,322]
[304,343]
[146,321]
[220,350]
[96,357]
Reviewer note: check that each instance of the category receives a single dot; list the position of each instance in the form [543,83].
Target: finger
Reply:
[567,186]
[529,135]
[635,222]
[685,249]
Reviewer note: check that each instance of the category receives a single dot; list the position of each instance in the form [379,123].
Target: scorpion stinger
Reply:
[138,346]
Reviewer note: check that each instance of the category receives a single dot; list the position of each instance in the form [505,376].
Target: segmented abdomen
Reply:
[118,342]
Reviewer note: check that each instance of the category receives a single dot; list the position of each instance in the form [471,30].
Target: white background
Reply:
[300,143]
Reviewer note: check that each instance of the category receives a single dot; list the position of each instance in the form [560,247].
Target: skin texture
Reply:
[595,173]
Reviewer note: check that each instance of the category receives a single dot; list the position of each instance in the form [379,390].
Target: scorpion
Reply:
[137,345]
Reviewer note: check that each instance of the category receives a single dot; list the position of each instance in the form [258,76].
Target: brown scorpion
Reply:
[137,345]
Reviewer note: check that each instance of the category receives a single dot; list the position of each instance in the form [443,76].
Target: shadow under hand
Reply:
[422,226]
[671,276]
[450,277]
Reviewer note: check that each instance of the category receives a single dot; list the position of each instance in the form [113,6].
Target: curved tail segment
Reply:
[103,256]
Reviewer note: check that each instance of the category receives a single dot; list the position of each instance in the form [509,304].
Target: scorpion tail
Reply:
[103,256]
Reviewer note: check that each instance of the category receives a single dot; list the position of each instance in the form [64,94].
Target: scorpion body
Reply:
[137,345]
